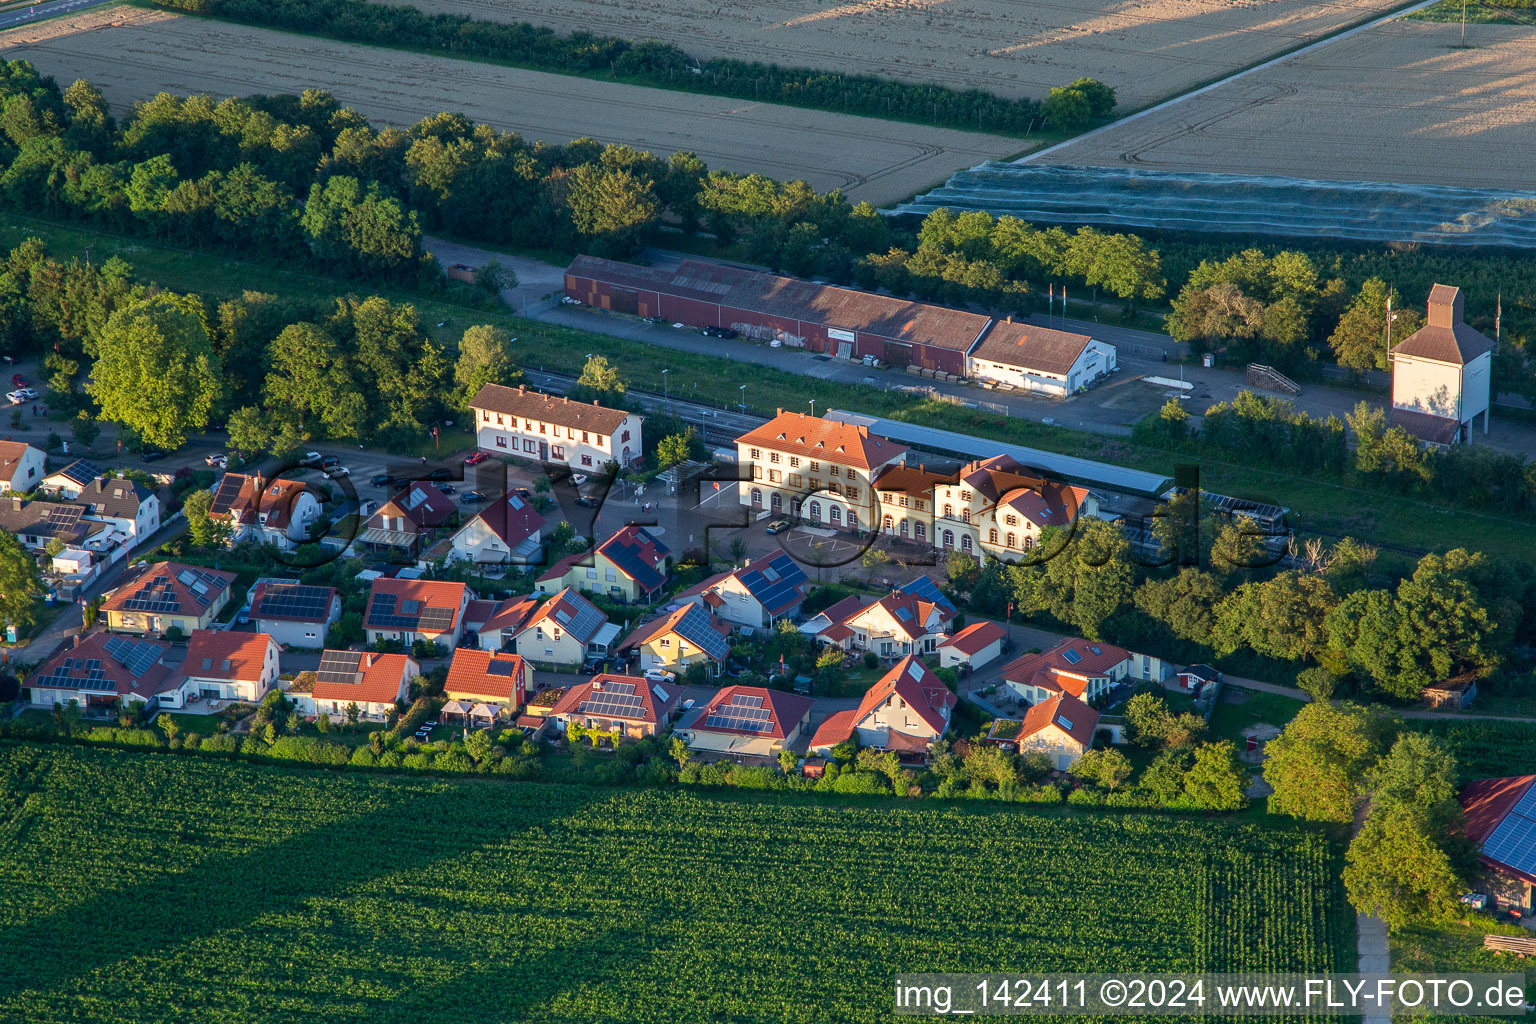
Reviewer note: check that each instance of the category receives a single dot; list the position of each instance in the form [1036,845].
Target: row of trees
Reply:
[1070,107]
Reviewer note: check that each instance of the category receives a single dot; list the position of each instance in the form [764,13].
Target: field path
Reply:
[131,54]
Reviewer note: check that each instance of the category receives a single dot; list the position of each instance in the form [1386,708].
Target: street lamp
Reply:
[743,402]
[664,393]
[440,325]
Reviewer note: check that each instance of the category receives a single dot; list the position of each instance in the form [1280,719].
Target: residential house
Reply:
[818,470]
[635,706]
[276,512]
[166,596]
[35,523]
[408,610]
[130,507]
[293,614]
[756,595]
[904,495]
[630,566]
[567,629]
[747,721]
[905,712]
[487,680]
[67,483]
[1060,727]
[225,665]
[375,683]
[101,672]
[506,531]
[22,467]
[550,428]
[681,639]
[974,646]
[401,525]
[498,631]
[1501,823]
[912,619]
[994,507]
[1085,669]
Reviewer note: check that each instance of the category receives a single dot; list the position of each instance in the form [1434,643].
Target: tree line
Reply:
[1070,107]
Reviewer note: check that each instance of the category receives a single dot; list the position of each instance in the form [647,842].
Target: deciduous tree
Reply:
[155,369]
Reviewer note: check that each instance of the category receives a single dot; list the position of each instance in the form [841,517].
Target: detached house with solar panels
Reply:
[746,721]
[486,686]
[376,683]
[680,640]
[35,523]
[256,510]
[631,566]
[101,672]
[166,596]
[567,629]
[636,707]
[293,614]
[905,712]
[756,595]
[913,619]
[411,610]
[1501,823]
[67,483]
[1085,669]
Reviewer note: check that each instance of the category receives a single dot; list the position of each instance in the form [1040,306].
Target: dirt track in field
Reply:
[132,54]
[1146,49]
[1401,102]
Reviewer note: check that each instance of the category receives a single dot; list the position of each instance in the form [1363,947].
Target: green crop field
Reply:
[149,886]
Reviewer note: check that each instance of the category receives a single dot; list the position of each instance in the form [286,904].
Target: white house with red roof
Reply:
[974,646]
[295,614]
[819,470]
[631,566]
[1501,823]
[996,507]
[1060,727]
[487,684]
[411,610]
[374,682]
[21,467]
[497,625]
[567,629]
[914,619]
[1085,669]
[104,671]
[756,595]
[277,512]
[634,705]
[747,721]
[506,531]
[905,711]
[225,665]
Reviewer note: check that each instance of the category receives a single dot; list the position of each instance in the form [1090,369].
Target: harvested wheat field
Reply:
[1147,49]
[1399,102]
[132,54]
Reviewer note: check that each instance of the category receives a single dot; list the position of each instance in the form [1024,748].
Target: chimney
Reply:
[1010,318]
[15,504]
[778,412]
[1444,306]
[522,389]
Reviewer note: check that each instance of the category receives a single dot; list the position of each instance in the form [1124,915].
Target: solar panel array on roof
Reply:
[62,676]
[924,588]
[1514,841]
[438,620]
[1070,656]
[498,668]
[583,623]
[695,627]
[81,471]
[382,612]
[743,712]
[134,655]
[775,583]
[62,516]
[281,600]
[339,666]
[615,700]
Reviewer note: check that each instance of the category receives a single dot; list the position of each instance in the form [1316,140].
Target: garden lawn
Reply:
[1229,720]
[128,893]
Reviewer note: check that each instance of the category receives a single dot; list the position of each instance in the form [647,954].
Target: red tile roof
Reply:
[11,453]
[470,672]
[512,519]
[181,588]
[535,405]
[631,698]
[1066,713]
[1056,669]
[785,711]
[238,493]
[835,729]
[916,684]
[225,654]
[973,638]
[421,504]
[825,440]
[380,679]
[99,653]
[510,614]
[426,593]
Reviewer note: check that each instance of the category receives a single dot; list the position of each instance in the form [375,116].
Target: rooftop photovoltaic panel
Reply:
[187,577]
[81,472]
[585,620]
[774,582]
[137,656]
[696,628]
[293,601]
[437,619]
[627,689]
[925,588]
[1514,841]
[1070,656]
[743,700]
[339,666]
[63,515]
[498,668]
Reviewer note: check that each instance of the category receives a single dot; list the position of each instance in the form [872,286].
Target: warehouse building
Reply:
[842,322]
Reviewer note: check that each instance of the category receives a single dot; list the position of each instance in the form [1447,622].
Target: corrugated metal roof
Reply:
[1069,467]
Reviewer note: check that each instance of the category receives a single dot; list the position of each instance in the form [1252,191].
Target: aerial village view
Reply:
[801,512]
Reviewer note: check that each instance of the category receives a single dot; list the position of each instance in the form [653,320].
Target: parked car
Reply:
[578,478]
[15,398]
[655,319]
[153,455]
[244,616]
[660,675]
[310,459]
[587,501]
[567,300]
[441,473]
[335,471]
[472,498]
[217,459]
[476,458]
[27,394]
[718,332]
[381,480]
[524,493]
[18,381]
[329,461]
[778,526]
[448,488]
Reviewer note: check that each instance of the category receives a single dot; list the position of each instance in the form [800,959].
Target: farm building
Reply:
[1039,358]
[1501,823]
[1441,374]
[841,322]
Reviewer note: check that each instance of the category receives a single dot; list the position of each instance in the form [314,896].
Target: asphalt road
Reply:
[27,15]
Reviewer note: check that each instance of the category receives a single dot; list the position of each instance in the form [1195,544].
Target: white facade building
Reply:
[1442,374]
[546,428]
